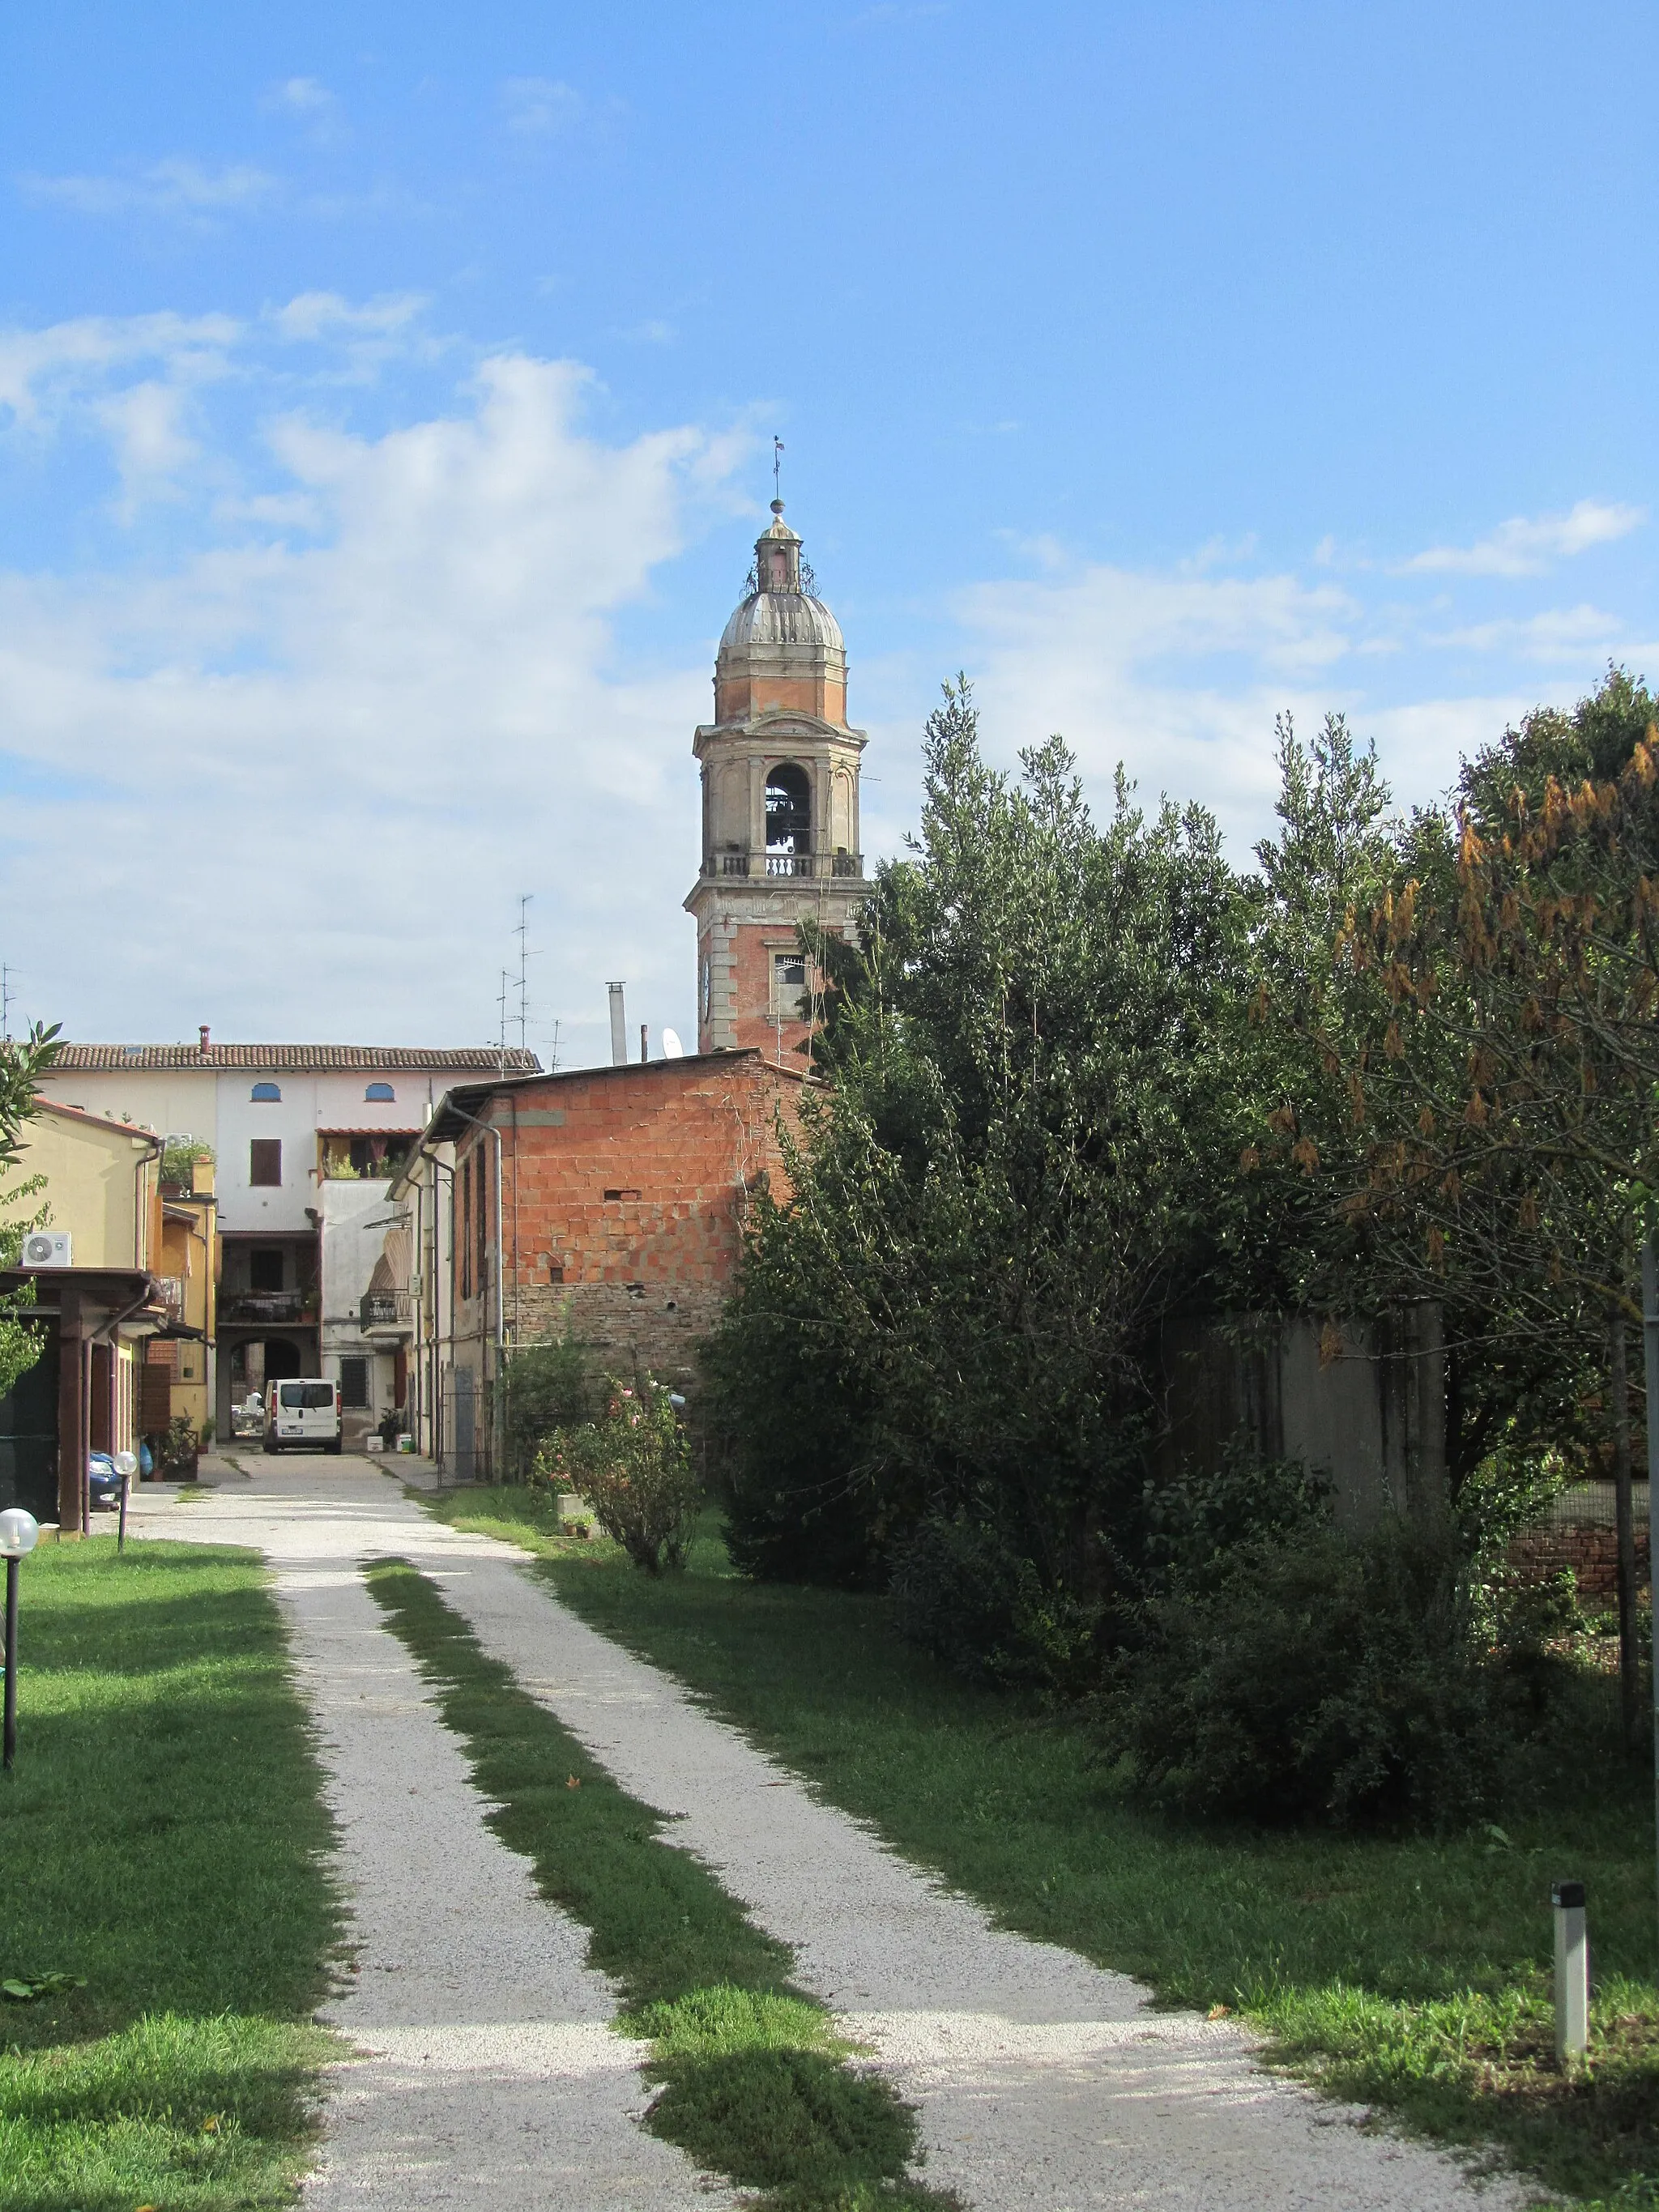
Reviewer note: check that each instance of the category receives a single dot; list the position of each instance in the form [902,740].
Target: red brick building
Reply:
[609,1200]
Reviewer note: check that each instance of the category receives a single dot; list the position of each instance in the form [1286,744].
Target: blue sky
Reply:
[385,407]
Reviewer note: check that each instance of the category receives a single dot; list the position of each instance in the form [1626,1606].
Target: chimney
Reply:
[619,1028]
[205,1034]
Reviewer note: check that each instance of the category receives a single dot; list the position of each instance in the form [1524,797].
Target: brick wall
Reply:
[1591,1552]
[623,1192]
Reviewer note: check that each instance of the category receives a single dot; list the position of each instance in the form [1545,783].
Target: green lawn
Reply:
[162,1837]
[1412,1973]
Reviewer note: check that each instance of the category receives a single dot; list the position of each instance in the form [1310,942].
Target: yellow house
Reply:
[92,1266]
[103,1186]
[190,1283]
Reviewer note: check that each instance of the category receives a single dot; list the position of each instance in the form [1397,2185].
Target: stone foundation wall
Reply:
[1591,1552]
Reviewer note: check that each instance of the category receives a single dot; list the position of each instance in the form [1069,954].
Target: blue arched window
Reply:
[382,1092]
[266,1094]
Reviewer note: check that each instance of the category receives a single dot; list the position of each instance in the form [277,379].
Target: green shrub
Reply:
[178,1160]
[1193,1524]
[545,1386]
[1314,1675]
[633,1467]
[960,1592]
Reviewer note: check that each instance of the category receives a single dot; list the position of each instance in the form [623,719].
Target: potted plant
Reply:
[180,1447]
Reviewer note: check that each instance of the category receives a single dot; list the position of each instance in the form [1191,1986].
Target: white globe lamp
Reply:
[20,1532]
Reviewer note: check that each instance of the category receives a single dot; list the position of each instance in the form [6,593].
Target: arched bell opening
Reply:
[788,809]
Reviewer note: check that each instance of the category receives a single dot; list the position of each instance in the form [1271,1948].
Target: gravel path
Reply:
[1044,2084]
[488,2074]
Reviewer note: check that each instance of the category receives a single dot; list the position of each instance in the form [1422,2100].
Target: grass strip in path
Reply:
[752,2083]
[1410,1973]
[162,1838]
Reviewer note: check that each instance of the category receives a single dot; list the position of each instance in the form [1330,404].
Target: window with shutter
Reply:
[264,1162]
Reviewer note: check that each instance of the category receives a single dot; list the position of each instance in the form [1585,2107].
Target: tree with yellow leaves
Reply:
[1491,1023]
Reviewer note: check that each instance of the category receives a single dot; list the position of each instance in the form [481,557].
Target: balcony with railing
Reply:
[385,1313]
[816,865]
[244,1308]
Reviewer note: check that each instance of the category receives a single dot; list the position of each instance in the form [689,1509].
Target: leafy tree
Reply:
[21,1066]
[1008,1185]
[1498,1040]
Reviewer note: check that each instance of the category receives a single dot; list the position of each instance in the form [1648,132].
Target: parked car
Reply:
[103,1482]
[306,1412]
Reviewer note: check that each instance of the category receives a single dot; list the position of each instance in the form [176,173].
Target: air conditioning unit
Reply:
[48,1248]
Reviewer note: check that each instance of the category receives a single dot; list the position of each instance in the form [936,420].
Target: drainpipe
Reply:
[490,1130]
[435,1336]
[443,1326]
[145,1160]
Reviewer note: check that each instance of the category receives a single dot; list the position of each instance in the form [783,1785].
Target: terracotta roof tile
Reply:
[294,1059]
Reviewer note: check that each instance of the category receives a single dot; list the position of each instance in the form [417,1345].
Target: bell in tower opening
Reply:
[779,809]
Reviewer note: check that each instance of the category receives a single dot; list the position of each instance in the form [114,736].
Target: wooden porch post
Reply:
[70,1366]
[85,1487]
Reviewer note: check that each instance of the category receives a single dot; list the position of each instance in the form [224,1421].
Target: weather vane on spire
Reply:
[777,469]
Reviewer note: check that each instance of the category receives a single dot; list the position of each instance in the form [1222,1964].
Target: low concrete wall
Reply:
[1364,1401]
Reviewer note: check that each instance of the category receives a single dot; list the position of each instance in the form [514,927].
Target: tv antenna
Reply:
[524,898]
[6,975]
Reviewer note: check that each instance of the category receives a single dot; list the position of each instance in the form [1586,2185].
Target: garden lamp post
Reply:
[126,1465]
[19,1532]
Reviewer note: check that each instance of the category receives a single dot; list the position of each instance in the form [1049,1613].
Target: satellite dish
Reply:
[671,1047]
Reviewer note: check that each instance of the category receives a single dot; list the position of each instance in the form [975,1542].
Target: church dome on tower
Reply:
[780,610]
[781,619]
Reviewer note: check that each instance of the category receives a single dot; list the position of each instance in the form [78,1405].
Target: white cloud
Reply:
[146,422]
[38,367]
[1554,634]
[1421,743]
[371,745]
[541,106]
[311,315]
[1526,545]
[300,96]
[177,188]
[84,370]
[1177,676]
[307,102]
[384,694]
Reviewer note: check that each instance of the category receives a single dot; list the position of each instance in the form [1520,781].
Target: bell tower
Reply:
[780,808]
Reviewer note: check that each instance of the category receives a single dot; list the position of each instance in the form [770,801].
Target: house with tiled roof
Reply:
[305,1139]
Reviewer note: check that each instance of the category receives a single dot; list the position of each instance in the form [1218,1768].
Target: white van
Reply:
[305,1410]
